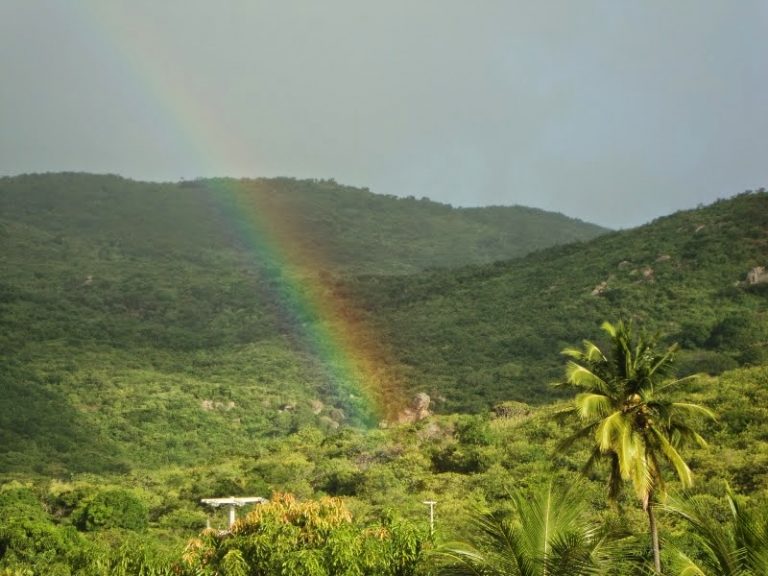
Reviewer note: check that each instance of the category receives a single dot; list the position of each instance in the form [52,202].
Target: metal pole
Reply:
[232,515]
[431,504]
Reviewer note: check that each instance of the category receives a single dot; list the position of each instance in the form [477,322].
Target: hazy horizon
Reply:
[611,113]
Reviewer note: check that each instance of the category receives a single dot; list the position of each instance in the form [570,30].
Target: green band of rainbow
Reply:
[351,359]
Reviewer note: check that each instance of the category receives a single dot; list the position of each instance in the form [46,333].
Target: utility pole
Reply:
[232,503]
[431,504]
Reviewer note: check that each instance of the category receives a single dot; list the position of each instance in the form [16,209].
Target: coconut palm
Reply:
[547,534]
[620,402]
[738,548]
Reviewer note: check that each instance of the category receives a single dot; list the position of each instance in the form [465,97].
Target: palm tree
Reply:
[548,534]
[739,548]
[621,404]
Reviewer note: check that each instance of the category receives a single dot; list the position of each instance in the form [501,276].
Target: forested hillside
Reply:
[349,230]
[163,317]
[134,319]
[489,333]
[157,348]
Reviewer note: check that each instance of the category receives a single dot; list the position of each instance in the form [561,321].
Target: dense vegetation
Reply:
[484,334]
[123,302]
[468,463]
[351,230]
[147,362]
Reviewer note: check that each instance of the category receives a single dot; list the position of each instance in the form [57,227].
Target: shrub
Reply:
[113,508]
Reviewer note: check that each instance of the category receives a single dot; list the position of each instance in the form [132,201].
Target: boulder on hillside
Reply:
[418,410]
[600,288]
[758,275]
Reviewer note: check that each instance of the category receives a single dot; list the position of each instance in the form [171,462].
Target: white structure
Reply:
[431,504]
[233,503]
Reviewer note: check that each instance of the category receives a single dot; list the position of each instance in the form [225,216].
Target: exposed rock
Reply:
[758,275]
[663,258]
[419,409]
[600,288]
[421,402]
[88,280]
[647,273]
[624,264]
[209,405]
[287,407]
[699,228]
[317,406]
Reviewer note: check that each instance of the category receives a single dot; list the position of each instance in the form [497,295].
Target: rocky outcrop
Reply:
[600,288]
[210,405]
[648,274]
[418,410]
[758,275]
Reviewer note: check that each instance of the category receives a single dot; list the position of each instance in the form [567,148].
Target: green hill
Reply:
[483,334]
[350,230]
[159,317]
[141,323]
[158,346]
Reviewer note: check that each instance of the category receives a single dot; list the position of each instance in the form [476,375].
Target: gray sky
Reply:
[614,112]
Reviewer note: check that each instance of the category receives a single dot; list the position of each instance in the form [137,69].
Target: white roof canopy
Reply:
[232,501]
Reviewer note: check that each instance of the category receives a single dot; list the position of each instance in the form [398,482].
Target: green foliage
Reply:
[458,332]
[29,539]
[548,533]
[735,547]
[151,365]
[393,468]
[112,508]
[124,335]
[287,537]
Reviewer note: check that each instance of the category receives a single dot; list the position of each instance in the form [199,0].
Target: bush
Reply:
[114,508]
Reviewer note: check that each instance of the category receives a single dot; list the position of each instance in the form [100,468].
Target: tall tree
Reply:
[621,403]
[547,534]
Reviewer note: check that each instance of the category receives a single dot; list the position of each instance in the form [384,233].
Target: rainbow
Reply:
[351,360]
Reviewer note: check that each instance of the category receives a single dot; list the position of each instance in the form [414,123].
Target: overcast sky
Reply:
[615,112]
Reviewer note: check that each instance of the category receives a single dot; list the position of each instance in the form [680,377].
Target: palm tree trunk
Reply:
[654,535]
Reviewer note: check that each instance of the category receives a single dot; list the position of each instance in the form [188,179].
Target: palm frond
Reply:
[722,555]
[584,432]
[689,408]
[592,353]
[677,382]
[573,353]
[609,328]
[610,430]
[548,534]
[591,405]
[682,470]
[582,377]
[751,533]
